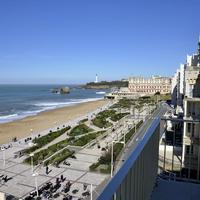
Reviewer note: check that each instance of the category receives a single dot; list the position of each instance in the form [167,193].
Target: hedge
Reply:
[44,140]
[118,116]
[80,129]
[60,157]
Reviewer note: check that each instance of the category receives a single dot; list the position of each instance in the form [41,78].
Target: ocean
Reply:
[19,101]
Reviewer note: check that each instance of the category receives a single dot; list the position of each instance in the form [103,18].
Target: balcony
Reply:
[187,140]
[136,178]
[196,140]
[192,116]
[169,190]
[191,161]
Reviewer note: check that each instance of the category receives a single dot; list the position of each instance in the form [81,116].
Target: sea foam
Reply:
[43,106]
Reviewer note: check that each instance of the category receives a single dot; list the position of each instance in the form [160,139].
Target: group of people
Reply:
[49,190]
[4,178]
[6,146]
[53,190]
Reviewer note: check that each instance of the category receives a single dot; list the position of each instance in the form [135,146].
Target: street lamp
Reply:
[32,167]
[112,156]
[31,133]
[4,156]
[125,125]
[55,125]
[149,111]
[91,197]
[124,138]
[135,124]
[36,183]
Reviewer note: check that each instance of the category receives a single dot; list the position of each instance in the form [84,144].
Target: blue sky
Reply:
[69,41]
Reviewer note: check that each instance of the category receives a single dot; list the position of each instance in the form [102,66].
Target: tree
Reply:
[157,93]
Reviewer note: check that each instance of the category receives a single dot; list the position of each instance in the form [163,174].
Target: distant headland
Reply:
[106,84]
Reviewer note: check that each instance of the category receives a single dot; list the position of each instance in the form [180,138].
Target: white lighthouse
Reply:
[96,80]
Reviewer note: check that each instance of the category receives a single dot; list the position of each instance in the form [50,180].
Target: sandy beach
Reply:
[45,120]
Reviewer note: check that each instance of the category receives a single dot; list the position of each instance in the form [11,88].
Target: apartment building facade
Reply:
[186,82]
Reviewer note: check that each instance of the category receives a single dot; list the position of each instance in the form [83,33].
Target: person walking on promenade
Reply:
[47,170]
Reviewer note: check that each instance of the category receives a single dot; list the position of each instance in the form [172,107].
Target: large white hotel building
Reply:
[150,85]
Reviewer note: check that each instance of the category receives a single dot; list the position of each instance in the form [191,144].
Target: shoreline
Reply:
[16,117]
[46,120]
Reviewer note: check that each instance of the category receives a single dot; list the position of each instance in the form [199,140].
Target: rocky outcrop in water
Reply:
[62,90]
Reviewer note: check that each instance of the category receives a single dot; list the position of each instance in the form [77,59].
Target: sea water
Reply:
[19,101]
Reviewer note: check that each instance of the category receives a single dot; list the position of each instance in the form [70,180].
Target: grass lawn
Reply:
[101,123]
[60,157]
[103,164]
[127,103]
[87,138]
[105,159]
[118,116]
[83,120]
[100,120]
[80,129]
[124,103]
[44,140]
[46,153]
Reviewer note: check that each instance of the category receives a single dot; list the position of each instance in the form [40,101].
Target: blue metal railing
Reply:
[114,184]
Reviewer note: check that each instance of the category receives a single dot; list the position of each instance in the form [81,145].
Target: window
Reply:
[187,149]
[191,149]
[189,127]
[193,129]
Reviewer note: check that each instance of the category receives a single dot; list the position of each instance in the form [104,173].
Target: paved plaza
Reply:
[21,182]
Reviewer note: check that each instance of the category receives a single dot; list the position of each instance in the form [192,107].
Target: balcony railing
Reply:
[196,140]
[191,161]
[136,177]
[193,115]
